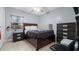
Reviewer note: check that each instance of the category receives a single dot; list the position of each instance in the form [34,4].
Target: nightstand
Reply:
[17,36]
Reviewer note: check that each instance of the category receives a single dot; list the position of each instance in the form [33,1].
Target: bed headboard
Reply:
[29,24]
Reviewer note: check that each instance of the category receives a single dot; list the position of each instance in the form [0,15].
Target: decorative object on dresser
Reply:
[66,31]
[17,35]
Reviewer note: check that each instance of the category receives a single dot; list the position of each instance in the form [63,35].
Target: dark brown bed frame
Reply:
[39,43]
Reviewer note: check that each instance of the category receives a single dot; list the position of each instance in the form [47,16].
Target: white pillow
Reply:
[30,27]
[27,28]
[33,27]
[76,45]
[66,42]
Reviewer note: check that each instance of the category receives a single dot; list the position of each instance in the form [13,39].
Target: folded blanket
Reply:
[66,42]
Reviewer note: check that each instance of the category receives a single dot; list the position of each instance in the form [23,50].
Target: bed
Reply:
[38,38]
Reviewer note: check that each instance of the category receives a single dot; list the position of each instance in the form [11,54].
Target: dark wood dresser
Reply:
[17,36]
[66,31]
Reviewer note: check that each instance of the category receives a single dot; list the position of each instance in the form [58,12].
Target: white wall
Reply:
[27,18]
[59,15]
[2,24]
[43,26]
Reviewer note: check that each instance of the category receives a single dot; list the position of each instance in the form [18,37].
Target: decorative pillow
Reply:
[66,42]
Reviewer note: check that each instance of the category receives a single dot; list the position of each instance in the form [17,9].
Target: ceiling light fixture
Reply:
[37,9]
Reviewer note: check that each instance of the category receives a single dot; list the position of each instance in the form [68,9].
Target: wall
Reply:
[43,26]
[59,15]
[27,18]
[2,24]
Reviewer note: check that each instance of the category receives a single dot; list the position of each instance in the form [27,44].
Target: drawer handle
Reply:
[18,37]
[65,25]
[65,33]
[18,34]
[65,29]
[64,37]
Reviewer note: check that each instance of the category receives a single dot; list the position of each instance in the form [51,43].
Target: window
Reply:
[17,19]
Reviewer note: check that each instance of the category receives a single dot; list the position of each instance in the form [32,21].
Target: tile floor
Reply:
[22,46]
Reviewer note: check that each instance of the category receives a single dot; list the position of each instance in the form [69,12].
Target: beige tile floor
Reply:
[22,46]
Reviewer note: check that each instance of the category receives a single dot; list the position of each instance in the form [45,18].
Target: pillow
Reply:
[33,27]
[76,45]
[26,29]
[66,42]
[30,27]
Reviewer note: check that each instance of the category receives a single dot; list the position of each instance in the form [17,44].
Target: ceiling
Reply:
[39,10]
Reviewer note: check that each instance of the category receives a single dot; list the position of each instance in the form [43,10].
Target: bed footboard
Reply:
[39,43]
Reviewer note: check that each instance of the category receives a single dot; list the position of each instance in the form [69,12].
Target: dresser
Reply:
[17,35]
[66,31]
